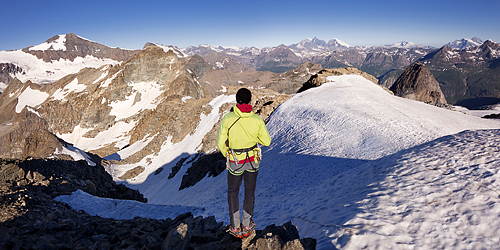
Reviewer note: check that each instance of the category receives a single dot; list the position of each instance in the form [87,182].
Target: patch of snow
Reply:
[103,75]
[73,86]
[132,149]
[30,109]
[121,209]
[109,80]
[30,97]
[185,98]
[3,86]
[58,44]
[75,153]
[118,135]
[177,52]
[147,93]
[224,89]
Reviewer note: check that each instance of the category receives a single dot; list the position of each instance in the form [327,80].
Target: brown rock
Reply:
[418,83]
[132,173]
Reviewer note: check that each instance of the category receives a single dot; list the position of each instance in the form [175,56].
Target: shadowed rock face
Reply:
[418,83]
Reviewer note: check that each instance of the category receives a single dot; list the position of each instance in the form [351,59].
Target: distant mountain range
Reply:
[263,67]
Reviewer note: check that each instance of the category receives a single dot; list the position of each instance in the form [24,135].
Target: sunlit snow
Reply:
[142,97]
[38,71]
[354,167]
[59,44]
[30,97]
[73,86]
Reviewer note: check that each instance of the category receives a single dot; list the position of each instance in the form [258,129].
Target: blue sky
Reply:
[130,24]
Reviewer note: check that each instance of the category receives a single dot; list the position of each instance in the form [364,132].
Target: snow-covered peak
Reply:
[465,43]
[338,43]
[403,45]
[315,45]
[55,43]
[39,71]
[174,49]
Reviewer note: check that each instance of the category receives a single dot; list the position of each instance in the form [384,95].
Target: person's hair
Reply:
[243,96]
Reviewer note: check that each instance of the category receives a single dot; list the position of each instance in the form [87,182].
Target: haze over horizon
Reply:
[131,24]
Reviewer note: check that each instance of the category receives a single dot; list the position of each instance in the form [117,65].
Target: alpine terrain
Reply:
[122,153]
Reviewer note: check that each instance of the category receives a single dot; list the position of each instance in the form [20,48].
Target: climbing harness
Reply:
[234,152]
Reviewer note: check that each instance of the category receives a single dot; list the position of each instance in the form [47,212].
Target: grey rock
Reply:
[177,238]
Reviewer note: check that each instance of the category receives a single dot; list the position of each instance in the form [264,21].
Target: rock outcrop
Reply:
[492,116]
[418,83]
[31,219]
[7,70]
[320,78]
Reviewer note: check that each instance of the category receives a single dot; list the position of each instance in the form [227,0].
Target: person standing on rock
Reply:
[240,133]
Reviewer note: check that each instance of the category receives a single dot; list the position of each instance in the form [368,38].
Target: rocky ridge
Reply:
[320,78]
[468,77]
[71,46]
[467,68]
[57,57]
[418,83]
[32,219]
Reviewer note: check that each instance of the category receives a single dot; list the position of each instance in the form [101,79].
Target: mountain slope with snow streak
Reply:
[344,163]
[38,71]
[57,57]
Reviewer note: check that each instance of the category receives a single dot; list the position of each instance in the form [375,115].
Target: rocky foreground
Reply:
[31,219]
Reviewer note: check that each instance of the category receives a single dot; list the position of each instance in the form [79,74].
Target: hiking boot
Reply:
[246,231]
[236,232]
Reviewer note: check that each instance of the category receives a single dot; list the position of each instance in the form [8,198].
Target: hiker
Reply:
[240,133]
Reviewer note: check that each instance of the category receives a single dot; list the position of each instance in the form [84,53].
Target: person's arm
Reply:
[222,137]
[264,137]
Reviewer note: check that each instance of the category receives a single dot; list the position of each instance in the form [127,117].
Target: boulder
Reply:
[418,83]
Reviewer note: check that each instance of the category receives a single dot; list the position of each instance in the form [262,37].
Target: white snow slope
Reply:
[38,71]
[353,167]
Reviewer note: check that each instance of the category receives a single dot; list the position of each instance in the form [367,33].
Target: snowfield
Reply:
[352,166]
[40,72]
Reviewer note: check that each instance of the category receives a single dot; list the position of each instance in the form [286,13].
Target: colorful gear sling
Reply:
[234,152]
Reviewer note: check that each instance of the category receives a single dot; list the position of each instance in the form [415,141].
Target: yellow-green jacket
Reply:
[245,133]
